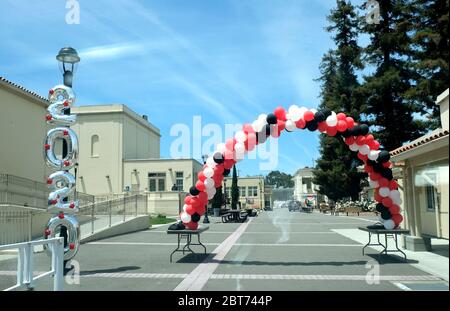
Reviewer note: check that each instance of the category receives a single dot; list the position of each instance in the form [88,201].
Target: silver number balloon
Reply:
[73,233]
[62,183]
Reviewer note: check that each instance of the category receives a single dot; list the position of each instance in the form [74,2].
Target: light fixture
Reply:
[68,59]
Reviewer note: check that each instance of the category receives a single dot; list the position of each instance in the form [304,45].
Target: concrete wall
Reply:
[165,203]
[22,132]
[139,142]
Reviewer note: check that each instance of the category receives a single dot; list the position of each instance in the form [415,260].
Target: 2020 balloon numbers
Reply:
[62,182]
[356,136]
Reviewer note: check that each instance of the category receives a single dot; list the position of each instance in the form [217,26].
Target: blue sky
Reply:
[227,61]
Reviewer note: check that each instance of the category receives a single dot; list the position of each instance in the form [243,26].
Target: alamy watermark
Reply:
[373,14]
[196,140]
[73,276]
[373,276]
[73,13]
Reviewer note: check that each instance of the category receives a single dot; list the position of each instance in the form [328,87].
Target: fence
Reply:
[20,191]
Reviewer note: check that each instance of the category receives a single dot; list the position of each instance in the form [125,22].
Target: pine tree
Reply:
[234,190]
[217,200]
[431,53]
[335,171]
[389,51]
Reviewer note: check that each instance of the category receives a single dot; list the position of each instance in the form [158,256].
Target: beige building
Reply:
[304,188]
[422,166]
[22,132]
[253,193]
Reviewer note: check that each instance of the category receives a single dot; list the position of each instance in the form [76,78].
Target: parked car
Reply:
[293,206]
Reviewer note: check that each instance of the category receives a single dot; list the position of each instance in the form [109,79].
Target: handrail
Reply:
[25,263]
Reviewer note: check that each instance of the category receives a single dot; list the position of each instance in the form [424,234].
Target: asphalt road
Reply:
[277,250]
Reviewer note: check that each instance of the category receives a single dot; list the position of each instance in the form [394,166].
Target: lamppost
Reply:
[68,59]
[205,219]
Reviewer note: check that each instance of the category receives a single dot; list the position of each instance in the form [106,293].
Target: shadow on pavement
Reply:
[112,270]
[390,259]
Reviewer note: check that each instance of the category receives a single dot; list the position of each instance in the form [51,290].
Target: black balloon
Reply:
[218,158]
[226,172]
[326,112]
[386,214]
[383,156]
[346,133]
[271,118]
[387,173]
[364,129]
[319,116]
[194,191]
[267,129]
[380,207]
[195,217]
[312,125]
[261,137]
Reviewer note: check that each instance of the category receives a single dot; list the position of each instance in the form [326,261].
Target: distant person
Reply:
[174,187]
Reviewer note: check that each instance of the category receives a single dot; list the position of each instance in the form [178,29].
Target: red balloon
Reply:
[375,176]
[228,155]
[368,169]
[322,126]
[217,182]
[362,157]
[191,225]
[218,169]
[341,126]
[190,210]
[397,219]
[342,117]
[369,139]
[383,182]
[187,200]
[200,185]
[281,125]
[228,163]
[387,164]
[393,185]
[349,140]
[394,209]
[203,196]
[300,123]
[387,202]
[248,129]
[250,143]
[308,115]
[280,113]
[350,122]
[201,176]
[274,131]
[201,210]
[332,131]
[375,145]
[195,201]
[230,144]
[378,197]
[360,140]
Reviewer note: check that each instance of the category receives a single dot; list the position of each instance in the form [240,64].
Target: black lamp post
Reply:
[68,59]
[205,219]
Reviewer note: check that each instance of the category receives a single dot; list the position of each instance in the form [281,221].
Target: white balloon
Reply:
[288,116]
[314,110]
[255,126]
[384,192]
[398,201]
[240,136]
[389,224]
[290,125]
[262,117]
[208,172]
[239,155]
[354,147]
[395,194]
[331,120]
[211,192]
[184,207]
[221,147]
[373,155]
[295,113]
[209,183]
[364,149]
[373,183]
[185,217]
[210,162]
[239,147]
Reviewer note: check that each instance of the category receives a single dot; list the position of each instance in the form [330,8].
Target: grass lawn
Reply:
[160,219]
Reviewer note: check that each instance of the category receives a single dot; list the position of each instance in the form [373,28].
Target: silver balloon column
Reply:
[62,182]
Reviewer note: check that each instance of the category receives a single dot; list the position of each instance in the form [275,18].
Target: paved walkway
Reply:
[277,250]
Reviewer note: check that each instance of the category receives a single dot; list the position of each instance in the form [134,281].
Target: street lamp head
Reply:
[68,59]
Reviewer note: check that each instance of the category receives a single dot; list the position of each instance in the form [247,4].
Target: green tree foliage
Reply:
[279,179]
[385,90]
[335,170]
[234,190]
[217,200]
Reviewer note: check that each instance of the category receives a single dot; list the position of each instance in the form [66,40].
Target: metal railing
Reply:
[25,192]
[108,213]
[25,263]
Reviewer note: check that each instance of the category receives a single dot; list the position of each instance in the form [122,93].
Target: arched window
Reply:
[94,146]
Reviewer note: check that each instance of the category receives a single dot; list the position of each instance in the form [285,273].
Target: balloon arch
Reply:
[356,136]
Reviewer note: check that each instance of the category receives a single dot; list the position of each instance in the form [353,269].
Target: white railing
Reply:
[25,263]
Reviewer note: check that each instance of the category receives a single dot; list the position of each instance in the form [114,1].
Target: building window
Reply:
[242,192]
[252,191]
[179,180]
[431,198]
[156,182]
[94,146]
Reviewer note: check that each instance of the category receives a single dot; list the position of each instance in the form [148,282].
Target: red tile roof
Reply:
[23,89]
[437,134]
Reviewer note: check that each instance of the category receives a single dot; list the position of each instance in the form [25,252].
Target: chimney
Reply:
[145,117]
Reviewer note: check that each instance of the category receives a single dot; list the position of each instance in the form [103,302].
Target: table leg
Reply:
[370,239]
[200,243]
[396,246]
[177,249]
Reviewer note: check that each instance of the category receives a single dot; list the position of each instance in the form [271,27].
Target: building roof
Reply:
[21,90]
[426,139]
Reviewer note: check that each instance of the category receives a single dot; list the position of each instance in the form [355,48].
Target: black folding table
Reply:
[187,234]
[387,233]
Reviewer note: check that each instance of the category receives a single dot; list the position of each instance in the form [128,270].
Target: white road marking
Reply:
[234,244]
[401,286]
[257,232]
[202,273]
